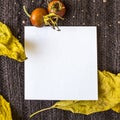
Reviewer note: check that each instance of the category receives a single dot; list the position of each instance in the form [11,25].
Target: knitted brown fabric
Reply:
[105,14]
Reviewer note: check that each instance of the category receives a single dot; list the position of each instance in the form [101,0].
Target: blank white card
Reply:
[61,65]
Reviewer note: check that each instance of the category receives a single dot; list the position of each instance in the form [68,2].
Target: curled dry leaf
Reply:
[10,45]
[109,96]
[5,110]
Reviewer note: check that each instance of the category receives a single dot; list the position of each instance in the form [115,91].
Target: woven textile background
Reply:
[105,14]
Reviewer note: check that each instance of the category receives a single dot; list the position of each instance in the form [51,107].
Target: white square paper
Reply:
[61,65]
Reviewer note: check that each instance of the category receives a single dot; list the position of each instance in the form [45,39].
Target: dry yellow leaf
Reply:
[9,45]
[108,97]
[116,108]
[5,110]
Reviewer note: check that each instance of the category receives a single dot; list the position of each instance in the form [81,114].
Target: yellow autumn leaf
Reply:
[5,110]
[10,45]
[108,97]
[116,108]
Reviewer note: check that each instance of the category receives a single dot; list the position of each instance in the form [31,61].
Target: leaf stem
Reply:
[39,111]
[24,8]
